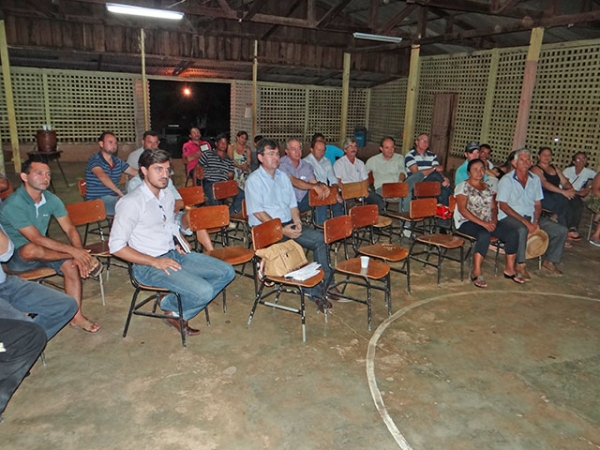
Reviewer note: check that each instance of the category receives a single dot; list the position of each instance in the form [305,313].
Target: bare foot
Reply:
[86,325]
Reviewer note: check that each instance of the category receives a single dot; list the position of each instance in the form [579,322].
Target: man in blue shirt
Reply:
[270,195]
[520,205]
[471,153]
[103,173]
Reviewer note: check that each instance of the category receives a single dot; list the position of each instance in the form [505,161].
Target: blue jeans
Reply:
[337,209]
[313,240]
[109,203]
[234,208]
[53,309]
[198,282]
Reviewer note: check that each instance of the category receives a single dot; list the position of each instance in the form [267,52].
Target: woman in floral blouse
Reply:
[477,215]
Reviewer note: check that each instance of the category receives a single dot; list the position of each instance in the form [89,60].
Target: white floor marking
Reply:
[376,393]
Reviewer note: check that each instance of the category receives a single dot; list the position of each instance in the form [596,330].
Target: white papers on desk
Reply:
[304,273]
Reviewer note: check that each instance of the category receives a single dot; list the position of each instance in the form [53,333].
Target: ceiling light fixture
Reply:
[144,12]
[377,37]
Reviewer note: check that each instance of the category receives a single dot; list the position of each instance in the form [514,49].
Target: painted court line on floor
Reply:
[370,366]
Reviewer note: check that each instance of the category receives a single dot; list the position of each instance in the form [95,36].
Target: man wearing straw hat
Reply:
[519,200]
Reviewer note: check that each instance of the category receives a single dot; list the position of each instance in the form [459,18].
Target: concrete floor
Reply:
[508,367]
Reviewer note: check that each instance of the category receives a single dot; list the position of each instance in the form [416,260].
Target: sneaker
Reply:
[595,243]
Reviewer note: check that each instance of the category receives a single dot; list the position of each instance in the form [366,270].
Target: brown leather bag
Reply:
[282,258]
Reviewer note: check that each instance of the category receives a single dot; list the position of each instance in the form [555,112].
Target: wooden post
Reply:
[410,111]
[255,91]
[10,104]
[144,82]
[489,96]
[533,54]
[345,98]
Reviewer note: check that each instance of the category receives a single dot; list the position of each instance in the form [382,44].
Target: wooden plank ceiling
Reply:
[300,41]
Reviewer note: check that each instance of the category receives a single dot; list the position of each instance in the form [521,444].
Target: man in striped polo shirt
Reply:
[103,173]
[423,165]
[219,167]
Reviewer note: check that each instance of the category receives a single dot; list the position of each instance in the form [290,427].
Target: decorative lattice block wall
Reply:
[77,105]
[241,99]
[324,113]
[386,111]
[464,74]
[565,109]
[505,106]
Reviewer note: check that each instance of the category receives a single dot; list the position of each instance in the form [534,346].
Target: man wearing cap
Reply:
[520,205]
[471,153]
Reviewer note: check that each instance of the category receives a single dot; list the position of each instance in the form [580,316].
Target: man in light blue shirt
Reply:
[270,195]
[520,205]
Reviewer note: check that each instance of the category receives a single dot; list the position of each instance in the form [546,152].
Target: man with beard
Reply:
[103,173]
[142,234]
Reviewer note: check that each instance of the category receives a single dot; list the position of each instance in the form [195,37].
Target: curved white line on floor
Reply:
[376,393]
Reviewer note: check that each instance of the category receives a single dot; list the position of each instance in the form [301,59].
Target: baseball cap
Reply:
[472,146]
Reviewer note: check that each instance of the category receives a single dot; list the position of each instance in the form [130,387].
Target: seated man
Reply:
[471,153]
[103,173]
[301,174]
[22,338]
[150,139]
[3,184]
[332,152]
[142,234]
[25,216]
[492,174]
[182,217]
[520,205]
[192,150]
[423,165]
[323,170]
[593,202]
[350,169]
[270,195]
[219,167]
[388,166]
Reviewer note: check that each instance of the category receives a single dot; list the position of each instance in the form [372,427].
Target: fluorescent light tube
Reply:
[377,37]
[144,12]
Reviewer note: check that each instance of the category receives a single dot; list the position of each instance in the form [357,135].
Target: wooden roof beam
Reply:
[477,7]
[332,13]
[523,25]
[397,19]
[255,8]
[506,6]
[271,30]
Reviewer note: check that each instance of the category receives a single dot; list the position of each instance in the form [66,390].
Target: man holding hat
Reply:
[519,201]
[471,153]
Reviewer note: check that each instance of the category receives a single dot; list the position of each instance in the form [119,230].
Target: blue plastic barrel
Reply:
[360,134]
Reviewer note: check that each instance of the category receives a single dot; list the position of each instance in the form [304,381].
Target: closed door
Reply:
[442,125]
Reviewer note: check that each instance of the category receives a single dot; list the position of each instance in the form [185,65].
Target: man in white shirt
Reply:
[142,233]
[323,170]
[350,169]
[150,139]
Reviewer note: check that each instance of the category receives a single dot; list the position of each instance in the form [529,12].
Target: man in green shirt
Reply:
[25,216]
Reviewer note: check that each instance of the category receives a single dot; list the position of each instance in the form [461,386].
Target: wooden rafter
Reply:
[332,13]
[477,7]
[271,30]
[507,5]
[397,19]
[255,8]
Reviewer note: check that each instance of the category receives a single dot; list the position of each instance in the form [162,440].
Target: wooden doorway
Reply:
[442,125]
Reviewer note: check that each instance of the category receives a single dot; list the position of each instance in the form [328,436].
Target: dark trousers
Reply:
[568,212]
[504,231]
[22,343]
[236,205]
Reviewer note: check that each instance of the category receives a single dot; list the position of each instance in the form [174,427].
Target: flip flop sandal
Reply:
[515,277]
[479,281]
[568,244]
